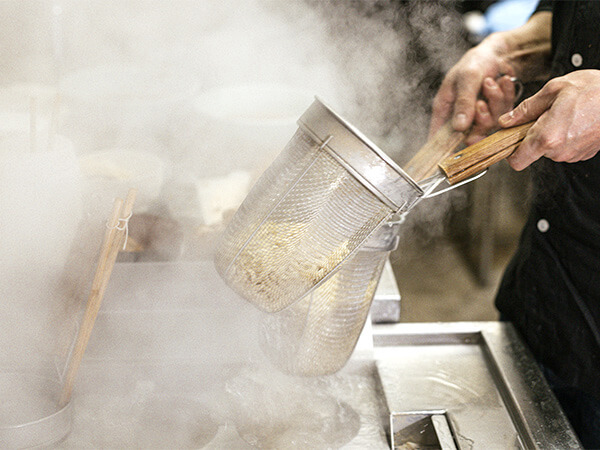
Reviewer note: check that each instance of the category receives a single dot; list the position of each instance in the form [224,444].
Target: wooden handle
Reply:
[441,145]
[112,243]
[483,154]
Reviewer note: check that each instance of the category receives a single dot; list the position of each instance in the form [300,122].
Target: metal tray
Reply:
[477,376]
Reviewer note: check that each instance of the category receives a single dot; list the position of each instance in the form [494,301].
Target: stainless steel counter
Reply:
[175,361]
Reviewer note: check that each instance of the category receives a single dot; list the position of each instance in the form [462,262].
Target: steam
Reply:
[200,96]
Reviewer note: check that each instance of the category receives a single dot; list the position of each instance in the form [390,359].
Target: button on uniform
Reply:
[576,59]
[543,225]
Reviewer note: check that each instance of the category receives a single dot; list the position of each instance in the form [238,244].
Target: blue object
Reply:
[508,14]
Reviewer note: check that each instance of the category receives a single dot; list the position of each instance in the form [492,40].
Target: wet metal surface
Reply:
[480,375]
[175,355]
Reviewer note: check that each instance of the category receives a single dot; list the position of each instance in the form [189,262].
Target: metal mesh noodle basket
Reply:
[318,202]
[317,335]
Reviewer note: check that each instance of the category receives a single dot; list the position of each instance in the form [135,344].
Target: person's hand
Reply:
[567,128]
[472,94]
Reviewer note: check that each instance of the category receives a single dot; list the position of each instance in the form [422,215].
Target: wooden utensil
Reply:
[443,143]
[111,245]
[484,153]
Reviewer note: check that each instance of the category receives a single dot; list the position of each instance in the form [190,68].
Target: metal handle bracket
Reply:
[430,191]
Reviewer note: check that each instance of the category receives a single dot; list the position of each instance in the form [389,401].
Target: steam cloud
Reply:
[144,78]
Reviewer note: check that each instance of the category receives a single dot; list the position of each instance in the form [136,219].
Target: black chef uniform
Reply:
[551,288]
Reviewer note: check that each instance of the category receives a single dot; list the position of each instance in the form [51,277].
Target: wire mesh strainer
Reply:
[317,334]
[310,211]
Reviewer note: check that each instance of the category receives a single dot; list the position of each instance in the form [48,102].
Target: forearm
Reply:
[527,48]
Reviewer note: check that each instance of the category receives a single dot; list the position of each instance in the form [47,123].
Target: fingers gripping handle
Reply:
[484,153]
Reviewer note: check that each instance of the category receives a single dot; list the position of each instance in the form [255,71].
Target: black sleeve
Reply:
[544,5]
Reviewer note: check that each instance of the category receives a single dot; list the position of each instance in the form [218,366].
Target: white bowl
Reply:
[243,127]
[108,102]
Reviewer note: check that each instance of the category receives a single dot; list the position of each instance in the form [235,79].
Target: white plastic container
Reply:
[40,201]
[40,215]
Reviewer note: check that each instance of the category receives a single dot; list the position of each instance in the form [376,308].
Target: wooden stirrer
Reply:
[111,245]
